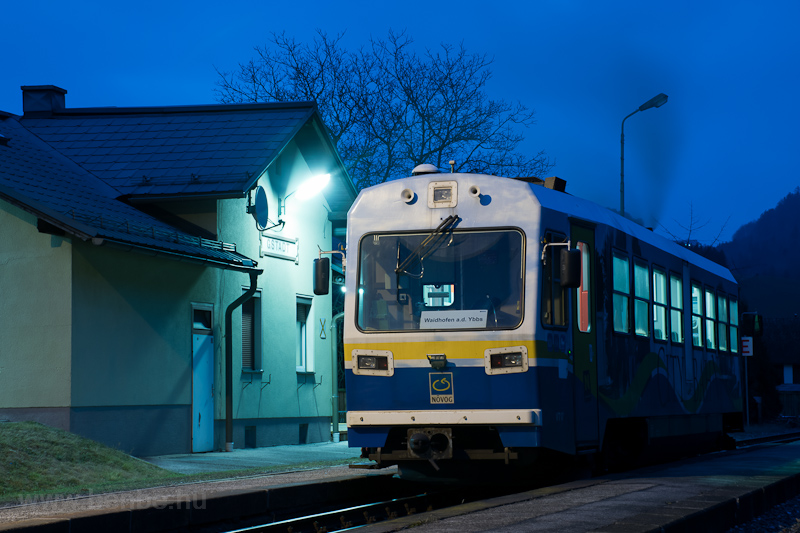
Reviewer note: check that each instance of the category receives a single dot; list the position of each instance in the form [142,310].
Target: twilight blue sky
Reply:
[725,145]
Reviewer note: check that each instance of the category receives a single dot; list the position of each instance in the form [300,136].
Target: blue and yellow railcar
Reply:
[498,319]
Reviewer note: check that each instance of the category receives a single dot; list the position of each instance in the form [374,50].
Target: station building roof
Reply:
[84,170]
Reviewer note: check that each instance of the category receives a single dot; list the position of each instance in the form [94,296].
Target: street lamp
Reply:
[656,101]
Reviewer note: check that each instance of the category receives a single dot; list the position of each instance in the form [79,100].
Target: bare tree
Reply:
[693,226]
[389,109]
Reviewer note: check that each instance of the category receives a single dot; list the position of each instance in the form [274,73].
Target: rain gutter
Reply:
[229,357]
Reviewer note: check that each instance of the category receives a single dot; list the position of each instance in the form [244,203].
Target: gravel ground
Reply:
[784,518]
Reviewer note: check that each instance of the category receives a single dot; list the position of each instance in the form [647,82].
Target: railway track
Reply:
[431,499]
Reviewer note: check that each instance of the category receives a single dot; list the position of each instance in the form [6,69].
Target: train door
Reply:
[584,334]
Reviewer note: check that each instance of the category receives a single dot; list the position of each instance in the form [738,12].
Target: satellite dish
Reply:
[261,213]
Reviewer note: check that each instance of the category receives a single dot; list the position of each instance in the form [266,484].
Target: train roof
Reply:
[572,206]
[583,209]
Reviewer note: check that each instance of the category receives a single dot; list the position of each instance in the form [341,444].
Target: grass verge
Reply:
[40,462]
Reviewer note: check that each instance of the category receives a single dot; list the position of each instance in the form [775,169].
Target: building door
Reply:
[584,334]
[202,379]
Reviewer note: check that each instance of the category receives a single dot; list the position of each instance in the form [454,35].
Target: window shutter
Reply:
[248,310]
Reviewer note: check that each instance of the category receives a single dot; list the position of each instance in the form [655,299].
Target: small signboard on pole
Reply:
[747,346]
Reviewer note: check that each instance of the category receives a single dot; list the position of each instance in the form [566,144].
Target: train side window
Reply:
[676,309]
[697,315]
[641,301]
[584,316]
[659,305]
[622,289]
[722,326]
[711,315]
[734,329]
[553,294]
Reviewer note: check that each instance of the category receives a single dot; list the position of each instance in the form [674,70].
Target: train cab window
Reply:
[659,305]
[553,294]
[697,316]
[676,309]
[641,301]
[711,314]
[734,329]
[584,316]
[454,280]
[622,289]
[722,326]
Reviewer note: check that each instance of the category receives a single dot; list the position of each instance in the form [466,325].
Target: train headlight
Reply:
[506,360]
[373,362]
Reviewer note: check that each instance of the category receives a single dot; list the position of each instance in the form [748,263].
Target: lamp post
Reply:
[656,101]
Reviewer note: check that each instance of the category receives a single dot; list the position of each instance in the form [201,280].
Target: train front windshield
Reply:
[470,279]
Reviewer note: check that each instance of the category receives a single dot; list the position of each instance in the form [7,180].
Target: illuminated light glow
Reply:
[344,289]
[360,291]
[312,186]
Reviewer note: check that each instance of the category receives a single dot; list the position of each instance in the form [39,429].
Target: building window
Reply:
[641,301]
[734,329]
[722,326]
[584,314]
[676,309]
[251,334]
[659,305]
[697,316]
[622,289]
[711,315]
[304,360]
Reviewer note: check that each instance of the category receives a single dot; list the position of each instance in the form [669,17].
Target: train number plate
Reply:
[441,387]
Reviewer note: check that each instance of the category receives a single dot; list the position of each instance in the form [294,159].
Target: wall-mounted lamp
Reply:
[306,190]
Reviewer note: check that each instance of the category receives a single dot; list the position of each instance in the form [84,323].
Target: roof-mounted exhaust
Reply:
[424,168]
[552,182]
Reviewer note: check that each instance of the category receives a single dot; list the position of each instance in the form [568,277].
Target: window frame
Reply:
[617,293]
[676,309]
[733,326]
[710,317]
[698,341]
[722,322]
[551,282]
[304,344]
[361,311]
[663,306]
[583,295]
[641,301]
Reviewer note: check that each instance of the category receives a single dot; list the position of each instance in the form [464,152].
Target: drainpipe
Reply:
[229,359]
[335,374]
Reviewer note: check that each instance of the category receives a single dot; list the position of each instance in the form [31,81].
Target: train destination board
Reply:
[453,319]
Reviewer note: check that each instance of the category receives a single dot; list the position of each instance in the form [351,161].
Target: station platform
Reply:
[705,494]
[286,457]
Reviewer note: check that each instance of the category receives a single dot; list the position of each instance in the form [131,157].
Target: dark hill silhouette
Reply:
[770,246]
[764,257]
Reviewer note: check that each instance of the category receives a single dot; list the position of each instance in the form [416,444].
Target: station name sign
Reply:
[281,247]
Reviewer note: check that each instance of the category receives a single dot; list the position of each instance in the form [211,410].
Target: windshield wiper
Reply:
[427,246]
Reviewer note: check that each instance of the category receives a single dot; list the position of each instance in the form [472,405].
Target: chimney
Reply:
[42,100]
